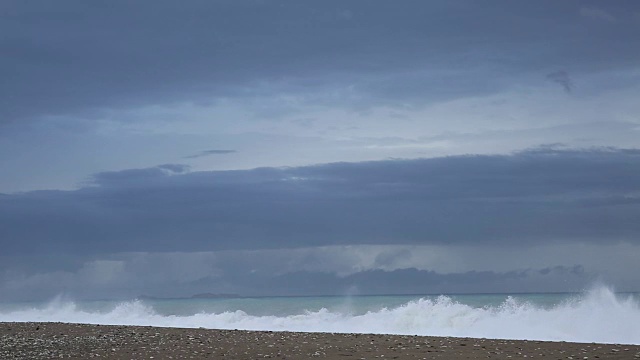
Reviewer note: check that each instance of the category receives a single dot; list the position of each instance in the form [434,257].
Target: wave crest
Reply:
[598,315]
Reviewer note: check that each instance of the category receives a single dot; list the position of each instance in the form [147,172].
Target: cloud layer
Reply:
[72,57]
[537,196]
[88,88]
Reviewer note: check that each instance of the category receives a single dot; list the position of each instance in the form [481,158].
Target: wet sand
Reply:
[81,341]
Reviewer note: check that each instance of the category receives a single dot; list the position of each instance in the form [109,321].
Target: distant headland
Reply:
[196,296]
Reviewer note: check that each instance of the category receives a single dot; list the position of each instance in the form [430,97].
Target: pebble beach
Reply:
[82,341]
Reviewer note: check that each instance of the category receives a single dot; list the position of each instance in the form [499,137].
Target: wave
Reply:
[598,315]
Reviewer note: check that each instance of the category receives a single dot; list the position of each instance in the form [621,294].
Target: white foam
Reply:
[596,316]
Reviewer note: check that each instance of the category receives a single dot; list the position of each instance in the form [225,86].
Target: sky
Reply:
[318,147]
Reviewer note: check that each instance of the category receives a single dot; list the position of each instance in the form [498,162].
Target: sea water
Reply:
[598,315]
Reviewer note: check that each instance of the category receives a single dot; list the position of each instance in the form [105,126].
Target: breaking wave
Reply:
[598,315]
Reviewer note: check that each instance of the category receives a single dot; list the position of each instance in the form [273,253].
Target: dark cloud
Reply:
[536,196]
[70,57]
[210,152]
[562,78]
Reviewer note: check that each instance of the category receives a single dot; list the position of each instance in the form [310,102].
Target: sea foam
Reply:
[598,315]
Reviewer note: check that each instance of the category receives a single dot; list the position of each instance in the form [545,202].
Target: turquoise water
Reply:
[354,305]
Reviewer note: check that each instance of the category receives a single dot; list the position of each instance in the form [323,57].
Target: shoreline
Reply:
[47,340]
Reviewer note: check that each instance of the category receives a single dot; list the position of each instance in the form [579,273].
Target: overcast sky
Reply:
[258,147]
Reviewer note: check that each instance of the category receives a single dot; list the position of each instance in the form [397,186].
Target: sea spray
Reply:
[598,315]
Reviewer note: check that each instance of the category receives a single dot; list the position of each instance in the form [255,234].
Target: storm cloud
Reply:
[536,196]
[72,57]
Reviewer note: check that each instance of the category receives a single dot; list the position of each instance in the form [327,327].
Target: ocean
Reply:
[598,315]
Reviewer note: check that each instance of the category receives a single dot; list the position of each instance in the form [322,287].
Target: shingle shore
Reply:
[82,341]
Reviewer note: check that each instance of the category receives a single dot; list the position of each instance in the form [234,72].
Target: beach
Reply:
[36,340]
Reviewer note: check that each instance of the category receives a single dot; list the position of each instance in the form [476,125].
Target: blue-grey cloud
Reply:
[209,152]
[70,57]
[561,77]
[537,196]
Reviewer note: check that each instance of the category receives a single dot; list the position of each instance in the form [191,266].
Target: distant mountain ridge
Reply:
[196,296]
